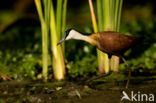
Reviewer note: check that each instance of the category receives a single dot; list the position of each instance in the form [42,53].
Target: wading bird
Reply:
[110,42]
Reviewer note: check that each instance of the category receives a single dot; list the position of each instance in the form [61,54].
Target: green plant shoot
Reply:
[52,25]
[108,13]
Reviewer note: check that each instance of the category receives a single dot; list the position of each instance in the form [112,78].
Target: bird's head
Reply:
[69,34]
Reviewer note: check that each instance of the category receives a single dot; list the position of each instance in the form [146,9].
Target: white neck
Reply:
[75,35]
[78,36]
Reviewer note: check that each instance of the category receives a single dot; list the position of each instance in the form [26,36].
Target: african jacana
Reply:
[110,42]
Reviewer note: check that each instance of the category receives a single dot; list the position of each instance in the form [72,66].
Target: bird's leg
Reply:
[98,77]
[129,71]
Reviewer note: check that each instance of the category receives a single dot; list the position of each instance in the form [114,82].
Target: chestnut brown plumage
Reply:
[113,43]
[110,42]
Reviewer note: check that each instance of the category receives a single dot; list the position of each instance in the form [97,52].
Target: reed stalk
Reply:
[108,13]
[116,17]
[103,61]
[44,40]
[64,13]
[51,24]
[57,58]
